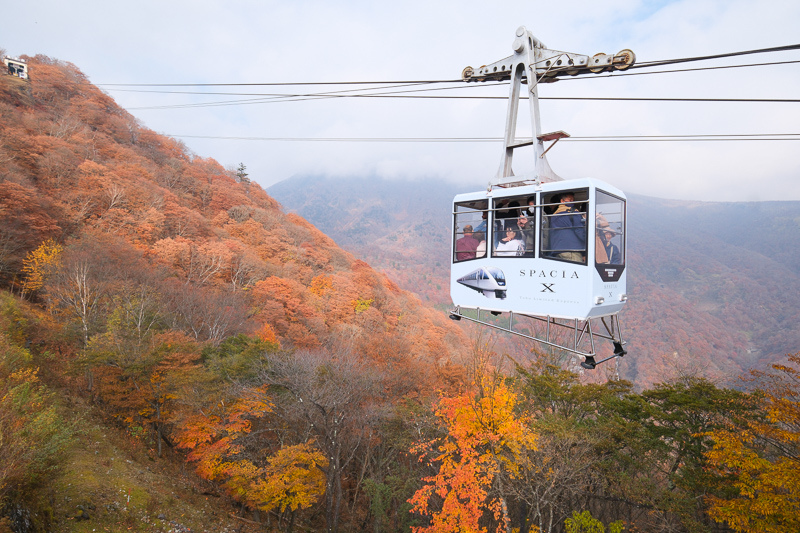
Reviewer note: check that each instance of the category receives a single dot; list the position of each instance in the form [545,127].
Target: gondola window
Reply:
[469,240]
[609,230]
[514,232]
[564,226]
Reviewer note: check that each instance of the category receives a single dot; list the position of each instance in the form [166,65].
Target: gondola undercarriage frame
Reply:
[583,332]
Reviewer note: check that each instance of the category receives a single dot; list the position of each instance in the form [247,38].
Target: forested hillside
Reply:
[155,269]
[178,354]
[712,286]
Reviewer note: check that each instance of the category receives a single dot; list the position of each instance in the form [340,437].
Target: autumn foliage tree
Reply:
[39,263]
[762,460]
[142,388]
[293,478]
[333,397]
[290,479]
[33,434]
[27,219]
[486,440]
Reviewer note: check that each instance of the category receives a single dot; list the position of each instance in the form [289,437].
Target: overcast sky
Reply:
[192,42]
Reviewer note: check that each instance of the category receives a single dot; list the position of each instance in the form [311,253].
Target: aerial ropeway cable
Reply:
[639,65]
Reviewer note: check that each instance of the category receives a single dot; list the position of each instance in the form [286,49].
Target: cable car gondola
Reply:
[535,245]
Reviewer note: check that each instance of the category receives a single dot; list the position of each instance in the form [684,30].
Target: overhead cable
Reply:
[297,97]
[617,74]
[274,84]
[716,56]
[430,97]
[639,65]
[600,138]
[614,74]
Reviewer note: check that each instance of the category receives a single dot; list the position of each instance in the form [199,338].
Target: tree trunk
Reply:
[291,521]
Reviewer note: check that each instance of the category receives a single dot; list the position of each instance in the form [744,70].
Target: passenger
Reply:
[510,245]
[600,243]
[505,217]
[607,251]
[531,210]
[511,215]
[466,245]
[498,221]
[482,225]
[480,251]
[524,226]
[612,250]
[568,230]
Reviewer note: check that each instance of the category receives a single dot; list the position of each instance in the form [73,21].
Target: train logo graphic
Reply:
[489,281]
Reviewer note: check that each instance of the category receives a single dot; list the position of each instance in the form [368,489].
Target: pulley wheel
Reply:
[624,59]
[596,61]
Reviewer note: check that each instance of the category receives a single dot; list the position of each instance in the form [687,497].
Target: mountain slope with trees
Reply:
[155,273]
[125,207]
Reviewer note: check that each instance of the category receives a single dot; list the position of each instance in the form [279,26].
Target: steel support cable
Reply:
[292,95]
[617,74]
[608,138]
[785,48]
[266,84]
[280,97]
[646,99]
[639,65]
[614,74]
[276,84]
[275,98]
[432,97]
[688,136]
[649,64]
[403,94]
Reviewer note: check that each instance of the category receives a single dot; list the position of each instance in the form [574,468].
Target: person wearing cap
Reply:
[568,230]
[606,251]
[600,242]
[612,250]
[466,245]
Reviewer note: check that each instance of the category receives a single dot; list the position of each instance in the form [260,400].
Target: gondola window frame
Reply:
[547,208]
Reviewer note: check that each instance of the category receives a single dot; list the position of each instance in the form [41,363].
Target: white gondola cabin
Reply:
[523,250]
[535,245]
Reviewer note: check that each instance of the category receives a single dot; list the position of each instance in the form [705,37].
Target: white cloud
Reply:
[268,41]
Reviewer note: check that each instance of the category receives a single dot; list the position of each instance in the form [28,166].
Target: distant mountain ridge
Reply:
[713,286]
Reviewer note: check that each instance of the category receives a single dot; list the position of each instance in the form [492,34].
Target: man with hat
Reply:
[607,251]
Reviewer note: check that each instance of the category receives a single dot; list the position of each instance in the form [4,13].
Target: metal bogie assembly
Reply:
[535,245]
[547,64]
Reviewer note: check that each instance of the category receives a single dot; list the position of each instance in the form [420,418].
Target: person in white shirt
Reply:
[510,245]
